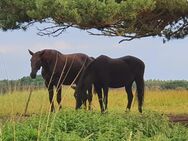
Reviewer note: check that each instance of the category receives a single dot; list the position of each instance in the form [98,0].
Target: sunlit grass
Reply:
[166,101]
[15,103]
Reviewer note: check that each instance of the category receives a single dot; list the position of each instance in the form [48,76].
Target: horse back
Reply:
[126,63]
[116,72]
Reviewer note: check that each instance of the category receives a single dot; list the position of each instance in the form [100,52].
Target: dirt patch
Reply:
[183,119]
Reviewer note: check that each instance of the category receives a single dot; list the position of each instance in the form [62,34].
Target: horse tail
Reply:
[140,92]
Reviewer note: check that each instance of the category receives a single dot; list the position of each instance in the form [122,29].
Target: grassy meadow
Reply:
[71,125]
[165,101]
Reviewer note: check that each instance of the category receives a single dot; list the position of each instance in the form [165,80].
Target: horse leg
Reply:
[129,96]
[99,92]
[90,97]
[105,90]
[84,101]
[85,104]
[59,89]
[51,98]
[140,92]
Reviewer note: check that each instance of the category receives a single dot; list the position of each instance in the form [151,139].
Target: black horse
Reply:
[59,69]
[105,73]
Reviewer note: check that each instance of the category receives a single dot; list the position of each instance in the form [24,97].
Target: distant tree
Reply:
[175,84]
[8,86]
[129,19]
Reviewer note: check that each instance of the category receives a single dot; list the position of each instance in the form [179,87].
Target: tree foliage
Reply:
[127,18]
[25,83]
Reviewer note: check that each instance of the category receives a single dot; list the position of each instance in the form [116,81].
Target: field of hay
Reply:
[166,101]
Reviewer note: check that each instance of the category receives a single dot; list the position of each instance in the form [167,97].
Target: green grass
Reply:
[71,125]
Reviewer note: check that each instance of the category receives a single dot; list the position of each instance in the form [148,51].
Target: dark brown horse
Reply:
[59,69]
[105,73]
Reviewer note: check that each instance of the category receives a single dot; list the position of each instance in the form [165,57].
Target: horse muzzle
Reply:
[78,106]
[33,75]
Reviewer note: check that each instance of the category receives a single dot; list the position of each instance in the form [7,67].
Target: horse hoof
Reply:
[90,109]
[127,110]
[52,111]
[104,112]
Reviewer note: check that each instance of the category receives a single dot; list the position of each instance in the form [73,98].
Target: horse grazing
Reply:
[59,69]
[105,73]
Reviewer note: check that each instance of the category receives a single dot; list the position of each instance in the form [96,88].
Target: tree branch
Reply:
[54,31]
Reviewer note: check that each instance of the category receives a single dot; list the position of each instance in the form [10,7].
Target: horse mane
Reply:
[49,54]
[51,51]
[84,74]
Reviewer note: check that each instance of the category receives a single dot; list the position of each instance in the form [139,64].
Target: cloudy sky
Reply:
[167,61]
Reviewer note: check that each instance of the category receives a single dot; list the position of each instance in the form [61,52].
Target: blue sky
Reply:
[167,61]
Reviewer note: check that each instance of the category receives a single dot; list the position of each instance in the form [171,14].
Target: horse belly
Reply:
[68,82]
[119,81]
[70,79]
[117,84]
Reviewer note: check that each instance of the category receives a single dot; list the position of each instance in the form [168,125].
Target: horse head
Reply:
[77,97]
[36,62]
[81,97]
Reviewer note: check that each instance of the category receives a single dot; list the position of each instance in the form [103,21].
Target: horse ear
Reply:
[73,87]
[41,53]
[30,52]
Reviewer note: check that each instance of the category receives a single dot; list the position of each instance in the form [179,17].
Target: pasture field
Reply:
[71,125]
[165,101]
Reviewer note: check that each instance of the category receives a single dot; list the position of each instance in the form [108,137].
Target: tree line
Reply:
[166,84]
[25,83]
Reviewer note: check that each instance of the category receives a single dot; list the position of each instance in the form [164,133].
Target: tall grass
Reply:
[166,101]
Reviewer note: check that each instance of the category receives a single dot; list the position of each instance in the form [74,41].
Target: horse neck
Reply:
[87,81]
[48,63]
[45,66]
